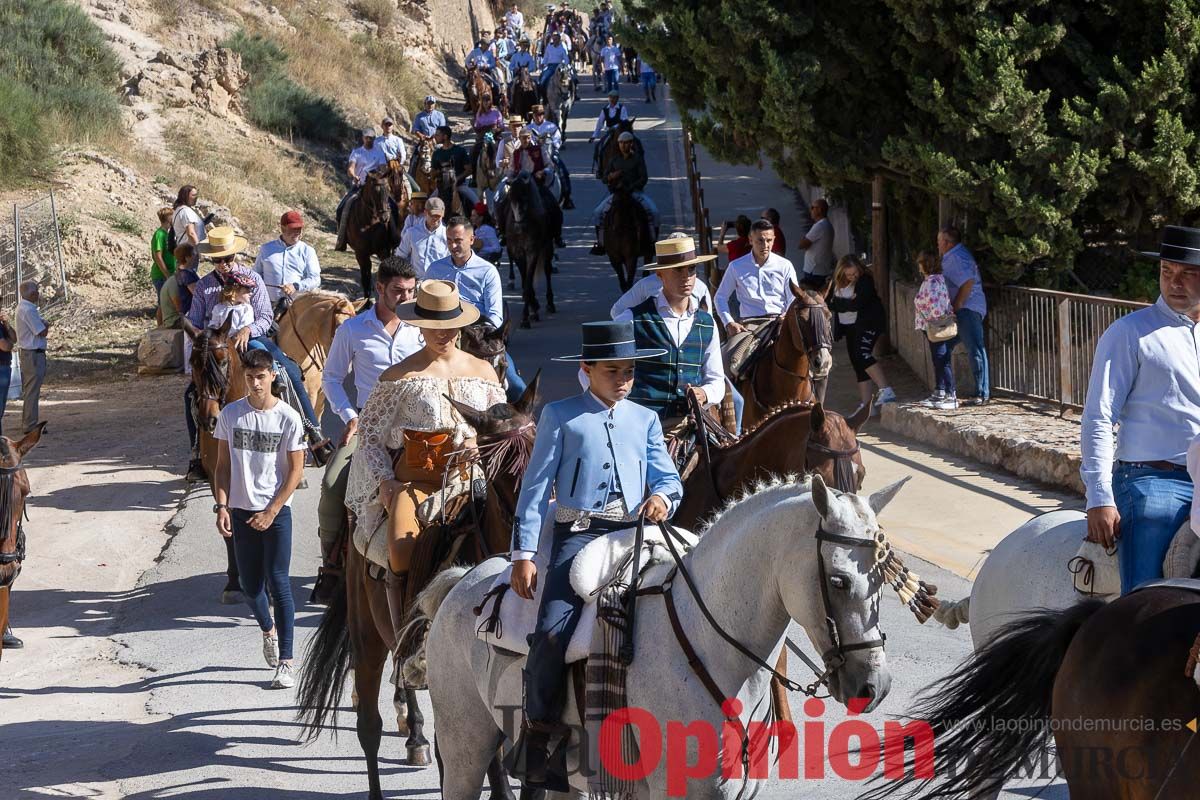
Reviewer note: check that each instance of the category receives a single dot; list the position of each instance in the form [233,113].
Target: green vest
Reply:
[660,383]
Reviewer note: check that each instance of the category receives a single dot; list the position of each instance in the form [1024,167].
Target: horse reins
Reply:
[8,493]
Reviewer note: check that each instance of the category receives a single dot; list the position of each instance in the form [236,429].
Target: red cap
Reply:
[481,209]
[291,220]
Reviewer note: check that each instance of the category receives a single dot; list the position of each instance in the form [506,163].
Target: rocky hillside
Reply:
[202,85]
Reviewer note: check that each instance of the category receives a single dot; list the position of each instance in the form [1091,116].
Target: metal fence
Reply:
[31,249]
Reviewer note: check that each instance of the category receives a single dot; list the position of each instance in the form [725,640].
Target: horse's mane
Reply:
[772,415]
[775,484]
[324,294]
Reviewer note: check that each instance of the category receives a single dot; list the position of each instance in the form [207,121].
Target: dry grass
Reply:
[381,12]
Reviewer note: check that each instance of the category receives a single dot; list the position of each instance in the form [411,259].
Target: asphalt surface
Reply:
[210,727]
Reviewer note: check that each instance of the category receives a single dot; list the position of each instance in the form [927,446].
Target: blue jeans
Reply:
[1153,504]
[548,72]
[739,405]
[516,384]
[158,284]
[943,367]
[293,373]
[263,559]
[649,82]
[611,81]
[970,333]
[5,381]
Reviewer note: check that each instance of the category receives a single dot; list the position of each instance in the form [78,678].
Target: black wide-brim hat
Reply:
[1178,244]
[610,341]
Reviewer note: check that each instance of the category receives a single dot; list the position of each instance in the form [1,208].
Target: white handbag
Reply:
[942,329]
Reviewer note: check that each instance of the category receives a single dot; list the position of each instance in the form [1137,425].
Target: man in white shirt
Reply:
[610,116]
[364,346]
[31,344]
[421,245]
[548,133]
[515,20]
[363,159]
[553,58]
[610,59]
[392,145]
[1145,385]
[817,245]
[288,265]
[761,279]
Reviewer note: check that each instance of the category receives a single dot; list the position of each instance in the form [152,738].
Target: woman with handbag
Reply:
[860,317]
[935,316]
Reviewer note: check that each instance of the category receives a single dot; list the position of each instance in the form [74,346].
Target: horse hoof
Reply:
[418,756]
[525,324]
[550,309]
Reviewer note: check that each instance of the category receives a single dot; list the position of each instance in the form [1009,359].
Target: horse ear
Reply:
[506,325]
[817,420]
[30,440]
[529,397]
[879,499]
[226,326]
[797,292]
[859,418]
[822,498]
[479,420]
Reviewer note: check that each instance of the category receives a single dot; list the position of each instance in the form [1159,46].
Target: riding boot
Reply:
[11,642]
[343,218]
[531,761]
[397,586]
[598,247]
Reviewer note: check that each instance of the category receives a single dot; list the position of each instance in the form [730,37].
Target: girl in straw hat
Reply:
[410,408]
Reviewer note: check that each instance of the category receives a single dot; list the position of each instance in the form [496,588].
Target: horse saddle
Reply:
[506,621]
[743,350]
[1096,573]
[281,306]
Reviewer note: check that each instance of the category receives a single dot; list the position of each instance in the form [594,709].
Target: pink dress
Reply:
[932,301]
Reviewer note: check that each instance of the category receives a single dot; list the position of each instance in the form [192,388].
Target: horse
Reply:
[400,186]
[447,190]
[477,89]
[607,148]
[306,334]
[800,355]
[422,167]
[484,341]
[356,630]
[487,174]
[373,229]
[527,227]
[765,561]
[627,235]
[14,490]
[560,98]
[524,93]
[579,51]
[1115,665]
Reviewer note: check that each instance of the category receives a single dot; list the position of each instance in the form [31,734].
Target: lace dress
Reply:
[415,403]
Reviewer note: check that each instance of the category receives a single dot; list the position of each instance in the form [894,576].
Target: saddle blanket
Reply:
[512,618]
[1096,572]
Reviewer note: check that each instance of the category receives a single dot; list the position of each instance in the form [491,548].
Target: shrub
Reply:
[381,12]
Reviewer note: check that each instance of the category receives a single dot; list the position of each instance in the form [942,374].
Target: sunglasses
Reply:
[225,260]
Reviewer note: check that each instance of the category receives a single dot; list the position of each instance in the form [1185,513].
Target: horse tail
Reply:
[415,632]
[988,716]
[323,676]
[955,613]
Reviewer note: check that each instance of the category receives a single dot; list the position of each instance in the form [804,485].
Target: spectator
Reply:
[163,265]
[860,317]
[733,249]
[188,225]
[933,303]
[817,245]
[185,275]
[260,462]
[8,341]
[610,56]
[421,245]
[170,313]
[780,246]
[288,265]
[649,80]
[487,241]
[965,286]
[31,341]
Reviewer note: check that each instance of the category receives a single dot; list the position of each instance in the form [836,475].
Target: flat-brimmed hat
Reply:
[610,341]
[418,196]
[1178,244]
[515,120]
[536,107]
[437,305]
[222,241]
[676,251]
[613,93]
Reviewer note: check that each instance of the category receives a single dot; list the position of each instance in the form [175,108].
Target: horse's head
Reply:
[833,451]
[211,353]
[14,489]
[809,328]
[485,341]
[504,432]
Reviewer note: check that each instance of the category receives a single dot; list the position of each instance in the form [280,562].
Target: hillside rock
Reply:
[210,80]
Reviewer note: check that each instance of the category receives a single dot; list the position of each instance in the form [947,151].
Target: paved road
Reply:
[193,719]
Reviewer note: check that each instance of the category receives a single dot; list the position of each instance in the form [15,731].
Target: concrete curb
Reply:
[1010,450]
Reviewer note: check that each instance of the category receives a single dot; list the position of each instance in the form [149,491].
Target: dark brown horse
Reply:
[356,630]
[422,169]
[14,490]
[484,341]
[527,224]
[524,93]
[627,235]
[800,355]
[1115,666]
[477,89]
[607,148]
[373,229]
[447,190]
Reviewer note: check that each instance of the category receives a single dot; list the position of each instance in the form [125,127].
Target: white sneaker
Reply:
[932,400]
[285,677]
[948,403]
[885,395]
[271,650]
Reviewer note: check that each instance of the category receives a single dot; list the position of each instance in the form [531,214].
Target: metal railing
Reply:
[32,250]
[700,219]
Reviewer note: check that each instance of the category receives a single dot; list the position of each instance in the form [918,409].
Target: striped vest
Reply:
[661,383]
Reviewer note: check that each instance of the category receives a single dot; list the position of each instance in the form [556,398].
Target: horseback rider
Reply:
[423,244]
[483,60]
[554,57]
[522,58]
[363,159]
[456,155]
[364,345]
[515,20]
[547,132]
[611,116]
[626,170]
[533,157]
[428,121]
[505,149]
[288,265]
[1145,384]
[392,145]
[416,211]
[585,453]
[761,279]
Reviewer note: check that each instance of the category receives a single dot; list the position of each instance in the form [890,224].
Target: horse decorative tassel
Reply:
[914,592]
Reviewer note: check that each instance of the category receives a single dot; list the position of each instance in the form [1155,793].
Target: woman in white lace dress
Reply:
[409,409]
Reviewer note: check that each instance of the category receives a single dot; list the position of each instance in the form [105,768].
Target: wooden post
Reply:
[879,252]
[945,211]
[1065,387]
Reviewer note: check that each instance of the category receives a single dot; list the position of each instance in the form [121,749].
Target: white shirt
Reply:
[761,291]
[31,327]
[392,147]
[278,265]
[602,121]
[548,131]
[421,246]
[184,216]
[362,344]
[846,317]
[242,315]
[412,220]
[1145,383]
[679,326]
[818,258]
[645,67]
[554,54]
[515,20]
[259,443]
[365,160]
[648,287]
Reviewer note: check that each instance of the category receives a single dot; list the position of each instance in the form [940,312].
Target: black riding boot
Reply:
[11,642]
[532,762]
[598,247]
[397,586]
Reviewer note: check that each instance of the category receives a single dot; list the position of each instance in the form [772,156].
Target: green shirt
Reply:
[168,300]
[158,244]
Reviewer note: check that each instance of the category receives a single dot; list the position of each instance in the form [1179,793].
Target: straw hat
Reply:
[676,251]
[222,241]
[515,120]
[437,305]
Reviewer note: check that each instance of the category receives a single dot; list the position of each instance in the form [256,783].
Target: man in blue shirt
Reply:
[554,57]
[965,285]
[429,120]
[522,58]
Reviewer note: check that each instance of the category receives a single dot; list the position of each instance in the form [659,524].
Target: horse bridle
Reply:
[206,356]
[8,485]
[814,342]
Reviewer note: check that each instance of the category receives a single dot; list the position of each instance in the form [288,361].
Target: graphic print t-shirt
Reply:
[259,443]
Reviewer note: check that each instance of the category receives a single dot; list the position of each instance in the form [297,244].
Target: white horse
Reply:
[758,567]
[560,97]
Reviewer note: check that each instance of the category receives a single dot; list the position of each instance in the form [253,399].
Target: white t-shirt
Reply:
[242,314]
[259,443]
[818,258]
[846,317]
[184,216]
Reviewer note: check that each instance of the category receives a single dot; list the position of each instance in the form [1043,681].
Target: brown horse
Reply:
[373,229]
[14,490]
[607,148]
[477,89]
[800,354]
[306,333]
[524,93]
[447,190]
[423,172]
[490,344]
[627,235]
[400,186]
[356,630]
